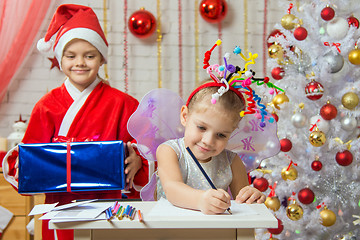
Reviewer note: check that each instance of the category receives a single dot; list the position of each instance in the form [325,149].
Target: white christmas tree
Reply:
[314,182]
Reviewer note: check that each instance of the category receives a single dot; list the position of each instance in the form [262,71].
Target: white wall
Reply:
[35,77]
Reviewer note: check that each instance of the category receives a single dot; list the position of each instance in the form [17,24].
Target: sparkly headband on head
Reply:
[237,80]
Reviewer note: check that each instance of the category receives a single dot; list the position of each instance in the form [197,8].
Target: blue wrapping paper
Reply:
[94,166]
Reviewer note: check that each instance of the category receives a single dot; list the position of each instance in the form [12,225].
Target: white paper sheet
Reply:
[164,208]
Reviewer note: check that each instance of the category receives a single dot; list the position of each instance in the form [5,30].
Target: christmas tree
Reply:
[313,184]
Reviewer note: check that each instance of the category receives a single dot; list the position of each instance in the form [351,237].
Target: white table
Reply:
[180,227]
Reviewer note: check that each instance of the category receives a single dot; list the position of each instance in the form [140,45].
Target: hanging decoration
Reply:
[54,63]
[287,21]
[354,56]
[142,23]
[350,100]
[261,184]
[353,21]
[277,230]
[277,73]
[159,40]
[196,32]
[285,145]
[306,196]
[213,11]
[126,54]
[337,28]
[327,13]
[327,217]
[180,49]
[344,158]
[316,165]
[328,111]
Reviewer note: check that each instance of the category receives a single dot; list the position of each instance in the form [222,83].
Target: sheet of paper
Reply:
[42,208]
[84,211]
[164,208]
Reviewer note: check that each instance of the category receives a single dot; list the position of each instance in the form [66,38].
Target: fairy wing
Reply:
[252,142]
[156,120]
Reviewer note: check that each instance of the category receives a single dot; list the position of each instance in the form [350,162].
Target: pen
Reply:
[108,214]
[140,216]
[120,217]
[119,211]
[203,172]
[132,215]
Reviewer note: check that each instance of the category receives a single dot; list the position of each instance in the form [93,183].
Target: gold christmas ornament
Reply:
[279,99]
[290,174]
[327,217]
[276,51]
[354,56]
[287,21]
[294,211]
[350,100]
[317,138]
[272,238]
[272,203]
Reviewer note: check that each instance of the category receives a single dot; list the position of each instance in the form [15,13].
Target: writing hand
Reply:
[214,201]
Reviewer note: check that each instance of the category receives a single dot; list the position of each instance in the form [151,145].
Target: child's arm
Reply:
[239,186]
[178,193]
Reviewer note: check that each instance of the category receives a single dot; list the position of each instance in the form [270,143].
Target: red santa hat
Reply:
[70,22]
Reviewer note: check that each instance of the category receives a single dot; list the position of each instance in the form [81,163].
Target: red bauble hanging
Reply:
[275,116]
[213,11]
[285,145]
[316,165]
[327,13]
[274,33]
[306,196]
[277,230]
[300,33]
[261,184]
[142,23]
[353,21]
[277,73]
[328,111]
[314,90]
[344,158]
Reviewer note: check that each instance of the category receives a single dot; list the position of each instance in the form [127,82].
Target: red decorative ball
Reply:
[344,158]
[142,23]
[274,33]
[328,111]
[300,33]
[306,196]
[314,90]
[353,21]
[277,230]
[327,13]
[316,165]
[285,145]
[261,184]
[277,73]
[275,116]
[213,11]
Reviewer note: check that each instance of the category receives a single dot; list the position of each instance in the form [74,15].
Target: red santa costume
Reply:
[99,111]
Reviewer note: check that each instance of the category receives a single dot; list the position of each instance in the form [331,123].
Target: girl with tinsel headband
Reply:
[201,155]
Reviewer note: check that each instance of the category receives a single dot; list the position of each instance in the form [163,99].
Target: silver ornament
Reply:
[335,61]
[299,120]
[322,124]
[348,123]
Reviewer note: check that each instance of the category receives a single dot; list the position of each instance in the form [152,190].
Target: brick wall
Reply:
[35,77]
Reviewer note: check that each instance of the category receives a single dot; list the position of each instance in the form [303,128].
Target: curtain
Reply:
[20,21]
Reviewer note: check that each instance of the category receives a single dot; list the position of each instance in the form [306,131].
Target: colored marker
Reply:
[121,215]
[108,214]
[133,214]
[140,216]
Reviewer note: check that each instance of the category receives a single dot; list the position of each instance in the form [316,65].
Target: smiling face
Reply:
[207,129]
[81,62]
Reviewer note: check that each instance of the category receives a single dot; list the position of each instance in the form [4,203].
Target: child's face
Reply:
[207,131]
[81,62]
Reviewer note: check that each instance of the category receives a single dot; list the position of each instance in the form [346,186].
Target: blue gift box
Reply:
[91,166]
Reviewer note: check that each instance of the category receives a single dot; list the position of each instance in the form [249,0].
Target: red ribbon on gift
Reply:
[337,45]
[68,141]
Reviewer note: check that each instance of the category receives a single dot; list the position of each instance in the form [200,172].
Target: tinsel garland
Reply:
[265,55]
[125,64]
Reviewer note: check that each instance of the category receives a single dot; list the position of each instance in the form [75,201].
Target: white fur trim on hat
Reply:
[45,47]
[81,33]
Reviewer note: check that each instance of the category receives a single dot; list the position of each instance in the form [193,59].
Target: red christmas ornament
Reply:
[353,21]
[275,116]
[316,165]
[285,145]
[261,184]
[306,196]
[213,11]
[277,73]
[277,230]
[344,158]
[300,33]
[327,13]
[328,111]
[314,90]
[142,23]
[274,33]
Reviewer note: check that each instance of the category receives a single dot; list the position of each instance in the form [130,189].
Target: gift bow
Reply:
[68,141]
[337,45]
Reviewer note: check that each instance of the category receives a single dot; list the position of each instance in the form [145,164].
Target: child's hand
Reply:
[17,168]
[250,195]
[214,201]
[133,162]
